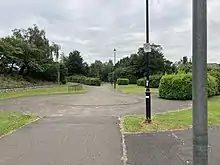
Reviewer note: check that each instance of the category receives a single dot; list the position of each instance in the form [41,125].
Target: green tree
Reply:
[74,63]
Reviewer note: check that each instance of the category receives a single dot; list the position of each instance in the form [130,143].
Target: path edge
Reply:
[124,157]
[13,131]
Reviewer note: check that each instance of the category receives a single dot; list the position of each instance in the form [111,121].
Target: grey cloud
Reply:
[95,27]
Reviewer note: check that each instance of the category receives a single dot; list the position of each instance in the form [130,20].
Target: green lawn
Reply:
[170,120]
[10,121]
[134,89]
[62,89]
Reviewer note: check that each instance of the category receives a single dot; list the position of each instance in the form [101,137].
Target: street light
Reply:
[147,50]
[114,79]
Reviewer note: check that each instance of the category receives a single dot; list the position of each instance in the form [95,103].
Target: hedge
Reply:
[122,81]
[92,81]
[84,80]
[154,81]
[179,86]
[215,72]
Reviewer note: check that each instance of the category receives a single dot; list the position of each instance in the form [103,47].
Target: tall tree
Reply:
[74,63]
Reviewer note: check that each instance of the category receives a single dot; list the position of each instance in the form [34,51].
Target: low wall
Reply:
[4,90]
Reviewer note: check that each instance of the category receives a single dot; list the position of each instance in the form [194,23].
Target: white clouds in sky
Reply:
[95,27]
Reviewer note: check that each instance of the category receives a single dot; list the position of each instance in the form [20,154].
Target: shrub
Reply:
[215,72]
[212,86]
[77,79]
[84,80]
[179,86]
[141,82]
[122,81]
[92,81]
[154,81]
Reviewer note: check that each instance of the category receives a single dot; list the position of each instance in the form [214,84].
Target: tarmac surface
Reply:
[83,129]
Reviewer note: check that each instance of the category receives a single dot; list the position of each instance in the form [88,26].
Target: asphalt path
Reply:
[78,128]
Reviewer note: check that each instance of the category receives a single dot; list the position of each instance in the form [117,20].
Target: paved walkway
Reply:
[76,129]
[168,148]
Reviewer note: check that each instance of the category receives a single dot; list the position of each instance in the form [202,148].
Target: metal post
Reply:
[148,93]
[114,79]
[200,126]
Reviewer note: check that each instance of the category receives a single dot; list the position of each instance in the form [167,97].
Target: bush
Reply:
[212,86]
[77,79]
[215,72]
[92,81]
[154,81]
[179,86]
[141,82]
[84,80]
[122,81]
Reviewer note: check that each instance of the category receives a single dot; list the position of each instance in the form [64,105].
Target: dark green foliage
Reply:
[122,81]
[132,79]
[92,81]
[212,86]
[154,81]
[84,80]
[126,72]
[179,86]
[74,63]
[76,79]
[215,72]
[141,82]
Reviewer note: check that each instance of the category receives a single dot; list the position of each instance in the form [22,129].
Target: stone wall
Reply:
[4,90]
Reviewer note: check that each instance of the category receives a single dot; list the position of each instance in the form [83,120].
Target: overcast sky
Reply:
[95,27]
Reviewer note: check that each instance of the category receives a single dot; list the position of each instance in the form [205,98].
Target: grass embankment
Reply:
[7,81]
[10,121]
[134,89]
[170,120]
[58,89]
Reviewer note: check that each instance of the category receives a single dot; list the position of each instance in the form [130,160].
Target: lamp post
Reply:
[200,124]
[147,50]
[114,79]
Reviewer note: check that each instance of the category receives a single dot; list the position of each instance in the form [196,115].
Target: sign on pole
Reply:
[147,47]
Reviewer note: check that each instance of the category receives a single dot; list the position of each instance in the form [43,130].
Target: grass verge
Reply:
[170,120]
[134,89]
[10,121]
[62,89]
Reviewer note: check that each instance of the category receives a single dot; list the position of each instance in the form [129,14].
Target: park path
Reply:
[75,129]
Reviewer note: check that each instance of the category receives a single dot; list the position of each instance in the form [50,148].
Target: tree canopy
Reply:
[29,53]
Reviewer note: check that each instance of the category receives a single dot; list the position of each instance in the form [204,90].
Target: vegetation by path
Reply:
[62,89]
[10,121]
[170,120]
[134,89]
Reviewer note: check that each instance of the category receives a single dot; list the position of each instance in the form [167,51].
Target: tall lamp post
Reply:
[114,78]
[200,124]
[147,50]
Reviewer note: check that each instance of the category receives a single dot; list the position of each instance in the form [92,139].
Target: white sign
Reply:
[147,47]
[147,83]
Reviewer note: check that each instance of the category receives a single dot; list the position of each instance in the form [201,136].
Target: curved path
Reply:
[99,101]
[76,129]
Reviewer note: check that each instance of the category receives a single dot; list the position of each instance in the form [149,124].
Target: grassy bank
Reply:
[10,121]
[62,89]
[170,120]
[134,89]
